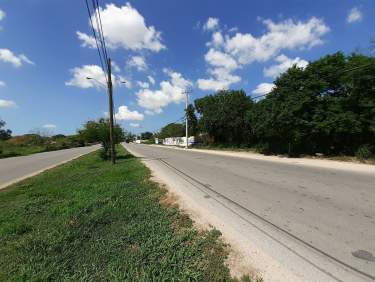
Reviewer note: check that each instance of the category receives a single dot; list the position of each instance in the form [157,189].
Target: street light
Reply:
[109,86]
[101,83]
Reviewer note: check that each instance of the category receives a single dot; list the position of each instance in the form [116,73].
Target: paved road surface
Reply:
[330,212]
[17,168]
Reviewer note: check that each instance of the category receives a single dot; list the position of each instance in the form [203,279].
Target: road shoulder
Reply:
[257,247]
[319,163]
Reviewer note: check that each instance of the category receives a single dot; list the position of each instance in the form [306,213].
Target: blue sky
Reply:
[159,48]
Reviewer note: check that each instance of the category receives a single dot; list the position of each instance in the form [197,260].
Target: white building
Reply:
[178,141]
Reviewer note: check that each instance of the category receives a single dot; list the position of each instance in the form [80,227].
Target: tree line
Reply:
[92,132]
[327,107]
[34,142]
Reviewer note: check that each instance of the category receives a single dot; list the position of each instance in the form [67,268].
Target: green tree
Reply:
[5,134]
[327,107]
[172,130]
[192,120]
[147,135]
[222,116]
[128,137]
[98,132]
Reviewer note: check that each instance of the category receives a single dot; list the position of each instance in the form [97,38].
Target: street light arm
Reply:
[101,83]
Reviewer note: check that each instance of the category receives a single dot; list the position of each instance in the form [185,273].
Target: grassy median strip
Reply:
[89,221]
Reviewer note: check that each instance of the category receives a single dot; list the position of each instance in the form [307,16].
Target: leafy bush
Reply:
[263,148]
[99,131]
[103,154]
[5,134]
[364,152]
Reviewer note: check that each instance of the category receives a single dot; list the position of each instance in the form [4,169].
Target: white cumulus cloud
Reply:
[2,15]
[219,59]
[138,62]
[151,79]
[115,67]
[284,63]
[283,35]
[211,23]
[7,104]
[135,125]
[263,88]
[230,52]
[87,41]
[125,27]
[143,85]
[171,91]
[354,15]
[217,39]
[125,114]
[7,56]
[97,78]
[149,113]
[80,75]
[49,126]
[221,78]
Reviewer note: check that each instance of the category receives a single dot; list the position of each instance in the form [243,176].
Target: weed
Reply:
[90,221]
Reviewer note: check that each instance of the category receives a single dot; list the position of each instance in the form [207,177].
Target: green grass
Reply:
[8,150]
[90,221]
[32,143]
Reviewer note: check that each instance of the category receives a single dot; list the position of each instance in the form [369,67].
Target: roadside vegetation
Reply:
[38,142]
[34,143]
[92,132]
[326,109]
[99,132]
[91,221]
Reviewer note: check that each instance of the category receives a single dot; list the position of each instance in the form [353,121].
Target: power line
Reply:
[96,39]
[180,120]
[327,76]
[103,56]
[360,67]
[99,30]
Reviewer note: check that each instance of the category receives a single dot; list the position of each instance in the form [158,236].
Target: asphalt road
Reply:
[18,168]
[329,211]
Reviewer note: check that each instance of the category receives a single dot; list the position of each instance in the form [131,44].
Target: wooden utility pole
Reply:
[186,92]
[186,120]
[110,98]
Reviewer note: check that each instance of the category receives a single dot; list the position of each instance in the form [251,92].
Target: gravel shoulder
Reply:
[321,163]
[317,201]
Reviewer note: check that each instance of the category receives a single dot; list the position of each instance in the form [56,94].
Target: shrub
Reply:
[99,131]
[364,152]
[263,148]
[103,154]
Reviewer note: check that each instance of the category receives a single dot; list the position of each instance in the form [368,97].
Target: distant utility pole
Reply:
[186,92]
[110,98]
